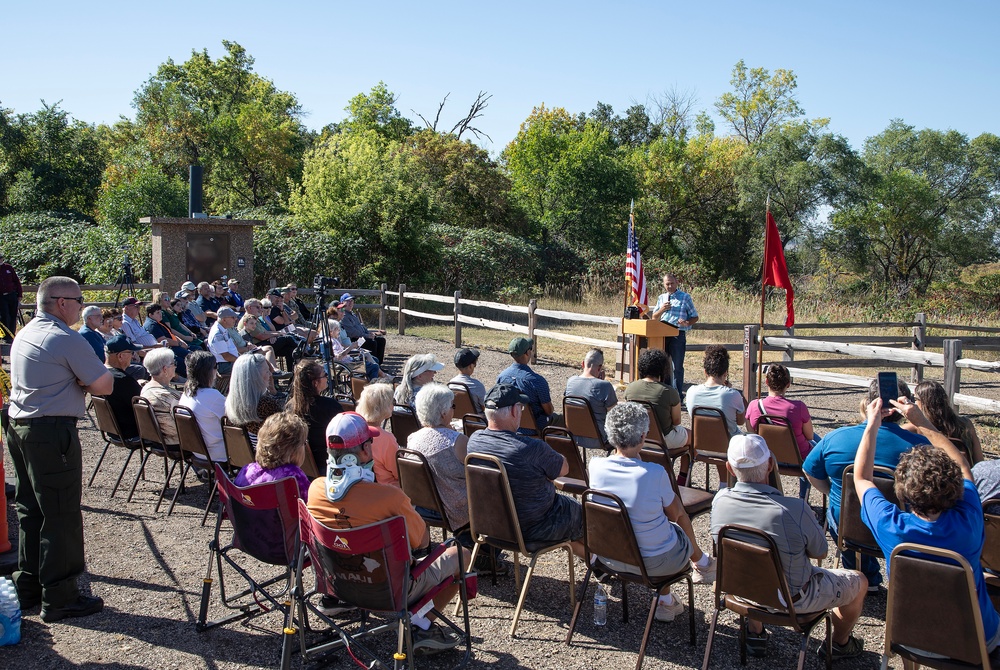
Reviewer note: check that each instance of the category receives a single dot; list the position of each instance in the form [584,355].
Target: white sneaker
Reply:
[669,612]
[704,575]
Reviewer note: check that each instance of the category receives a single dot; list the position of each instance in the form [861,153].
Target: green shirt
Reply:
[657,394]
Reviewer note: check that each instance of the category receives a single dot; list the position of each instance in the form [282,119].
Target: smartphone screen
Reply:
[888,388]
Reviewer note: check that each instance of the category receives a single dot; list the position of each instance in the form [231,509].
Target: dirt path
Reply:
[148,567]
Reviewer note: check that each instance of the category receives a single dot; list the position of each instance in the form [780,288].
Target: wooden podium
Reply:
[654,331]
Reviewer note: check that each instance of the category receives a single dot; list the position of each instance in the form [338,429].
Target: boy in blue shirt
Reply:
[935,484]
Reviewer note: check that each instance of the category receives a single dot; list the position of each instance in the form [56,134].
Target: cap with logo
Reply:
[348,430]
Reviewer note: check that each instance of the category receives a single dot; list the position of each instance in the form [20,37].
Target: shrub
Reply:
[42,244]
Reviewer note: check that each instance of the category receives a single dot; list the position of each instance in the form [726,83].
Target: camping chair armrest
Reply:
[570,485]
[425,562]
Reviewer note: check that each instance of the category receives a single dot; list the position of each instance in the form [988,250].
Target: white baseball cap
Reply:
[748,451]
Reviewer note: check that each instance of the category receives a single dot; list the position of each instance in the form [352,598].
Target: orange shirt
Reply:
[384,449]
[365,503]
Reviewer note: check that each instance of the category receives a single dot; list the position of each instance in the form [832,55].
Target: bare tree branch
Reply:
[475,111]
[437,117]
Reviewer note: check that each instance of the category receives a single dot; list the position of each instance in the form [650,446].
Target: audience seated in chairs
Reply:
[352,324]
[826,463]
[205,401]
[375,405]
[281,449]
[717,391]
[531,468]
[155,326]
[250,401]
[220,343]
[445,450]
[255,328]
[466,360]
[161,395]
[308,403]
[417,371]
[662,528]
[344,354]
[932,400]
[349,497]
[531,384]
[118,356]
[793,527]
[794,411]
[600,394]
[936,486]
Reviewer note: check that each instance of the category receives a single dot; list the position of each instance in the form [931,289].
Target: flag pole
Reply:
[763,274]
[634,340]
[631,222]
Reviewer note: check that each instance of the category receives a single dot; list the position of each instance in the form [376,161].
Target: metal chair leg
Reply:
[711,640]
[107,445]
[579,606]
[142,468]
[121,474]
[645,633]
[524,594]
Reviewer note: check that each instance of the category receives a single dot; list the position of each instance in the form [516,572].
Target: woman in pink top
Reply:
[375,404]
[795,411]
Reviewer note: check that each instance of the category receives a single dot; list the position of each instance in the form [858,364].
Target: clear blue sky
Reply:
[933,64]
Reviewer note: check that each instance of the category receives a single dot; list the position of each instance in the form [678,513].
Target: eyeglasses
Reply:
[64,297]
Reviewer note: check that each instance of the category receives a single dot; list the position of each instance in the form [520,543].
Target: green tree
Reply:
[759,101]
[377,111]
[923,205]
[246,133]
[144,192]
[48,161]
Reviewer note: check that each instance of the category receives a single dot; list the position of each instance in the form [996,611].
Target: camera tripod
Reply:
[338,374]
[125,281]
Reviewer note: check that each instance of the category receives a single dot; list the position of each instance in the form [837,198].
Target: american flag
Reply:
[635,277]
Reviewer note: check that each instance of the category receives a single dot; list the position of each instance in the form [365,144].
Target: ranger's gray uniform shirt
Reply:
[46,360]
[789,521]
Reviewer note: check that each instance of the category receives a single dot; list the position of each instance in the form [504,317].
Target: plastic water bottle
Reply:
[600,606]
[10,613]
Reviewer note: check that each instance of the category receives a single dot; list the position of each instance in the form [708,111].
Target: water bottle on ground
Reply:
[600,606]
[10,613]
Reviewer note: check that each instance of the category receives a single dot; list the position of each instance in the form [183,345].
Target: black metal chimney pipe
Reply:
[194,190]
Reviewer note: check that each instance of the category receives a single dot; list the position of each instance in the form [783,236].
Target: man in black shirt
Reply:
[118,357]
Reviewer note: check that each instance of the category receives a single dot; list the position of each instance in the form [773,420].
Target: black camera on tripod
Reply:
[323,284]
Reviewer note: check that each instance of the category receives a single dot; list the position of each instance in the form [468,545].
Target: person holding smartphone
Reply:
[825,464]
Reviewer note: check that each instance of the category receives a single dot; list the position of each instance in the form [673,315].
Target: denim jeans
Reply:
[869,564]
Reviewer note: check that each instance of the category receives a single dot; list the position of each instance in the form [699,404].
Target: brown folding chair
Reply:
[192,444]
[564,443]
[709,439]
[404,423]
[655,434]
[528,422]
[464,404]
[751,582]
[108,425]
[852,533]
[940,584]
[358,385]
[608,535]
[990,557]
[773,478]
[417,481]
[471,423]
[347,403]
[493,520]
[153,444]
[963,449]
[239,451]
[580,420]
[311,467]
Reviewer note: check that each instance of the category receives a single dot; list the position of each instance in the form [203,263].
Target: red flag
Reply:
[775,268]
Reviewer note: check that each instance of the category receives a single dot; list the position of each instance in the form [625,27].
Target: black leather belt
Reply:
[71,420]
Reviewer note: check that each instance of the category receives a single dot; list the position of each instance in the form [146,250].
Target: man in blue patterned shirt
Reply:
[528,382]
[676,308]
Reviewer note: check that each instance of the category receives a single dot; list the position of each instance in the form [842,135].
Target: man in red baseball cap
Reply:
[349,497]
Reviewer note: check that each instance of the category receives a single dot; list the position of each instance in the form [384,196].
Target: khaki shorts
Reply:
[827,589]
[443,567]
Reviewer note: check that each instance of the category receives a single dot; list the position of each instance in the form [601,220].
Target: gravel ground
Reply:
[148,568]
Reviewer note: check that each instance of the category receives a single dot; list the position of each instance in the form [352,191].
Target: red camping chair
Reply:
[369,567]
[265,526]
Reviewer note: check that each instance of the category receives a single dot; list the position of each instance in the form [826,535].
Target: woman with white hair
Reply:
[249,402]
[444,448]
[417,371]
[162,367]
[662,527]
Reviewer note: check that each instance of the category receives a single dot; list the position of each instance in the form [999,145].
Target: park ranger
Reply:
[52,368]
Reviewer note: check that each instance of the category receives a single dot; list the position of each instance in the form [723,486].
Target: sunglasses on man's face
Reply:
[65,297]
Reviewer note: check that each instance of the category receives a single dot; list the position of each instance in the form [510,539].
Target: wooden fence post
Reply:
[458,324]
[952,373]
[532,306]
[750,334]
[788,355]
[384,311]
[919,340]
[401,321]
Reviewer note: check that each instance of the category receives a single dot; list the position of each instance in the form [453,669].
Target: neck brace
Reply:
[340,477]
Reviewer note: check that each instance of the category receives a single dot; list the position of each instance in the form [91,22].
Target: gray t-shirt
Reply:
[986,474]
[476,389]
[600,396]
[789,521]
[531,466]
[727,399]
[47,360]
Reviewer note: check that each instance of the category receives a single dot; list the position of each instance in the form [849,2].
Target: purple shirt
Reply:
[254,474]
[794,410]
